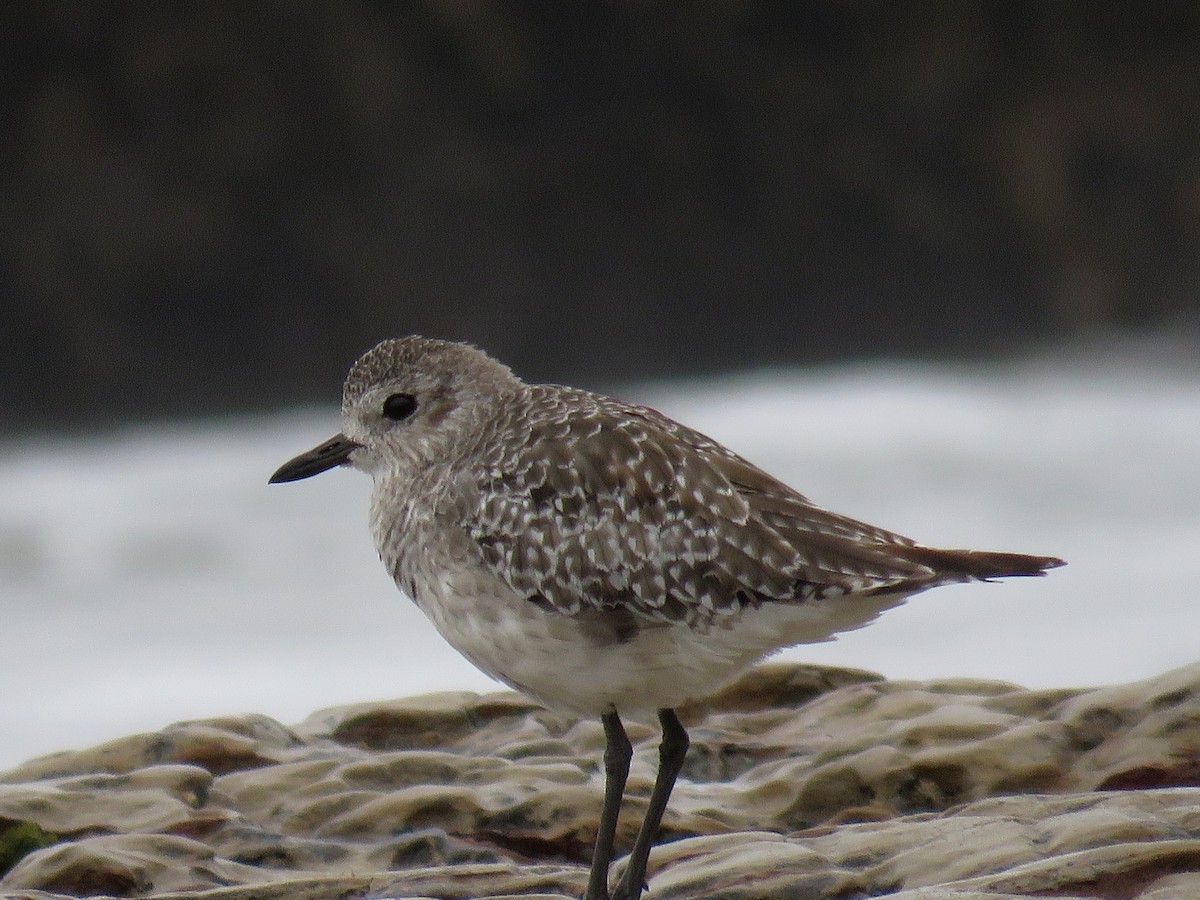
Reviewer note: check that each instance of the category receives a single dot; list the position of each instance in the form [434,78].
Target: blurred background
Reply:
[214,206]
[936,264]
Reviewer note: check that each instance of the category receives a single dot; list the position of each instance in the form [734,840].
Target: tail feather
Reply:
[982,565]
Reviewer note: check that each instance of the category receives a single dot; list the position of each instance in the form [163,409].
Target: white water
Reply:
[153,575]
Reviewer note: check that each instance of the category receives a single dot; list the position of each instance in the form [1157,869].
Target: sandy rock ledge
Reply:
[802,782]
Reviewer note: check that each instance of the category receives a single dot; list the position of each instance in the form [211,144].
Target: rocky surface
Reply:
[801,782]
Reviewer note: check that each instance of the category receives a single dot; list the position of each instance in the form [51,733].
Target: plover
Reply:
[600,557]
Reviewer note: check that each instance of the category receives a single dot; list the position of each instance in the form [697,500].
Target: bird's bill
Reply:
[334,452]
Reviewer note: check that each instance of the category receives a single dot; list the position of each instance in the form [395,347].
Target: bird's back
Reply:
[589,502]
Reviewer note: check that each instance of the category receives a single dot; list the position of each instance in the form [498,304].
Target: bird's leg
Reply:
[671,753]
[617,754]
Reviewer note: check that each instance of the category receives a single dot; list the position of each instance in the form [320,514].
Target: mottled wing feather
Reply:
[610,505]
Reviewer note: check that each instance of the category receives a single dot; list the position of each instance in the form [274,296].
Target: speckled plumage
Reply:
[596,554]
[609,505]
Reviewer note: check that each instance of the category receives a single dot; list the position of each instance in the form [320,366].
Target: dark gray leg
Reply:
[617,753]
[671,753]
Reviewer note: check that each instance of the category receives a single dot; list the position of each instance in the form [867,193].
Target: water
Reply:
[152,575]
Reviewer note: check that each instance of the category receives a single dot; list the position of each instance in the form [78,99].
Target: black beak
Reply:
[334,452]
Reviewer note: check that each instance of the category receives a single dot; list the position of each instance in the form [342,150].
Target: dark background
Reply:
[217,206]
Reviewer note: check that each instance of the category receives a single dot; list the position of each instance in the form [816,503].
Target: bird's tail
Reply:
[983,565]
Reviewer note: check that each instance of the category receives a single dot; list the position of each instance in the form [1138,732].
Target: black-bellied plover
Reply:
[600,557]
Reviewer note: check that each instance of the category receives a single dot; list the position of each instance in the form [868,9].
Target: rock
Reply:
[156,798]
[801,782]
[125,865]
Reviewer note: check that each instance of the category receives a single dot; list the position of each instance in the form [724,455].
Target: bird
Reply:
[600,557]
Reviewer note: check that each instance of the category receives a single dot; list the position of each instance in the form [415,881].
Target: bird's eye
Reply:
[399,407]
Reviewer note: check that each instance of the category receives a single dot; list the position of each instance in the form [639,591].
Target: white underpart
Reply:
[554,659]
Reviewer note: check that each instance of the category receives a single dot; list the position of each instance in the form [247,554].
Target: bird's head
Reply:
[407,403]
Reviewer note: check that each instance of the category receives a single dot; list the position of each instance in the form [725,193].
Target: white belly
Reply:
[560,662]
